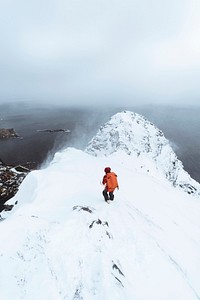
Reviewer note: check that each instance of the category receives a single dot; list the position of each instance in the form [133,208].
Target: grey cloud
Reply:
[130,51]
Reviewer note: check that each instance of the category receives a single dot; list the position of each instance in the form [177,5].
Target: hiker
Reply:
[110,182]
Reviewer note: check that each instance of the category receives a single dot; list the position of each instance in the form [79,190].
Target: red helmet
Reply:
[107,170]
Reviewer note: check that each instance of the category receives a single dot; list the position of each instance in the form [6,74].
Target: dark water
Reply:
[37,146]
[180,125]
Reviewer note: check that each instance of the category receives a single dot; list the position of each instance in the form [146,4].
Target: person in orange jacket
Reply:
[110,182]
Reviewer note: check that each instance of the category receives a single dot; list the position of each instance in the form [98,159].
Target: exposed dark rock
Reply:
[21,169]
[115,267]
[85,208]
[109,235]
[119,281]
[134,135]
[99,222]
[6,133]
[53,130]
[190,189]
[8,207]
[77,295]
[10,180]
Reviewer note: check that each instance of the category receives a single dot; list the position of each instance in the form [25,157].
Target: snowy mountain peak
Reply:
[132,134]
[62,241]
[129,132]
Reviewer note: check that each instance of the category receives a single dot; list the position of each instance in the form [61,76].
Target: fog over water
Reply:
[101,51]
[180,126]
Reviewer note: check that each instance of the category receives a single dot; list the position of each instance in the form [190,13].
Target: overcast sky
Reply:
[108,51]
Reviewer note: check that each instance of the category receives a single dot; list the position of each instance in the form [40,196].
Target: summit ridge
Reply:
[134,135]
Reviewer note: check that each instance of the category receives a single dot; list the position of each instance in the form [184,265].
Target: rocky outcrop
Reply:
[53,130]
[131,133]
[6,133]
[10,180]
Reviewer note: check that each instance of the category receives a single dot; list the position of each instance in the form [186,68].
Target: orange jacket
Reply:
[110,180]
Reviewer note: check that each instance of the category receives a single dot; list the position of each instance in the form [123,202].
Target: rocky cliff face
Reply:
[132,134]
[6,133]
[10,180]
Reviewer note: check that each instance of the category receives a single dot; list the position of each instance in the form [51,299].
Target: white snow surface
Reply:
[62,241]
[131,133]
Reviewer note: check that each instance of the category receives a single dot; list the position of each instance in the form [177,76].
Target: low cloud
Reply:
[80,52]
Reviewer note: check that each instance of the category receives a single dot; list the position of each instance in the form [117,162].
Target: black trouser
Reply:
[108,195]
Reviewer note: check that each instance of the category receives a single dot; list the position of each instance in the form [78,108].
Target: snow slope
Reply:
[132,134]
[62,241]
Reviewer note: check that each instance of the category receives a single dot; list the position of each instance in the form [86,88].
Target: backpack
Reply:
[112,182]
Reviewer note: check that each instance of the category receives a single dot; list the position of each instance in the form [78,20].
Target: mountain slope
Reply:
[62,241]
[132,134]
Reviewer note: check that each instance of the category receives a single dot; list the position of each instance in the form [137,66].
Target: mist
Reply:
[179,125]
[104,52]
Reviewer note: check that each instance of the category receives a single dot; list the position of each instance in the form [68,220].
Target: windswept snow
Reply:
[62,241]
[132,134]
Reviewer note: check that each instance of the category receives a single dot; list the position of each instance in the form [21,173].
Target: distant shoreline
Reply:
[32,122]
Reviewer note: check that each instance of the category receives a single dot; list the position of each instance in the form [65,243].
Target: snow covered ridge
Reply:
[132,134]
[63,242]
